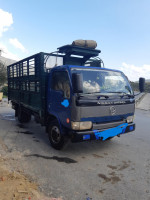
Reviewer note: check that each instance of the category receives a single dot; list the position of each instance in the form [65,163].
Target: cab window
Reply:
[60,82]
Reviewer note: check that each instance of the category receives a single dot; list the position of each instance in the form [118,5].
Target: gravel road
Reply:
[110,170]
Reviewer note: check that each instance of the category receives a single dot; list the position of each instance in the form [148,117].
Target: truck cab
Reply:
[89,102]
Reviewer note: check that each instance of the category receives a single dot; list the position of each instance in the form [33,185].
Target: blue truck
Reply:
[72,94]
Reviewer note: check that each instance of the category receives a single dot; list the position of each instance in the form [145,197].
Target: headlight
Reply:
[130,119]
[81,125]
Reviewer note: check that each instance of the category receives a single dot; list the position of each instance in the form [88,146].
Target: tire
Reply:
[56,138]
[16,112]
[23,117]
[37,119]
[27,118]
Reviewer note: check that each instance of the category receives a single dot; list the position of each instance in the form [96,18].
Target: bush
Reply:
[5,90]
[135,86]
[3,74]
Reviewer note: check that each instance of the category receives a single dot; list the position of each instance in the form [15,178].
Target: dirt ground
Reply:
[14,185]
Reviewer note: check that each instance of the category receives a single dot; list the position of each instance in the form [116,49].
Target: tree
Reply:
[135,86]
[3,73]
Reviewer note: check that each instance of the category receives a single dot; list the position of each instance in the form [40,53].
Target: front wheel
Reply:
[56,138]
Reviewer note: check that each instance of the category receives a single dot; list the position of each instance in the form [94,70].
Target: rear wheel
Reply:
[23,117]
[56,138]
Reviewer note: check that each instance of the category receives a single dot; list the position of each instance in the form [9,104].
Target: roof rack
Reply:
[77,55]
[80,51]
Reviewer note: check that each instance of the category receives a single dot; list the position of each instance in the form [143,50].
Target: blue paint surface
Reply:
[110,132]
[131,128]
[65,103]
[86,137]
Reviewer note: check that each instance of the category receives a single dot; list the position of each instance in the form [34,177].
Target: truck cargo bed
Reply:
[27,83]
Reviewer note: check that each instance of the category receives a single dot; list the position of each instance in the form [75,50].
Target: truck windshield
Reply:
[103,81]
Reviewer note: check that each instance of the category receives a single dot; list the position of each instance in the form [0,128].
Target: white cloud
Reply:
[91,86]
[135,72]
[17,44]
[6,53]
[6,20]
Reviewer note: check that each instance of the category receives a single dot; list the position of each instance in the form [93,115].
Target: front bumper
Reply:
[79,136]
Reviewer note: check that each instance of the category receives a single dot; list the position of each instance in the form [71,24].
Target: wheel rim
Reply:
[55,134]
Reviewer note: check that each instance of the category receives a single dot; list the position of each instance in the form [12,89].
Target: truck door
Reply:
[60,96]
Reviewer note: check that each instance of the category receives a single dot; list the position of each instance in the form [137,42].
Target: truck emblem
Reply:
[112,110]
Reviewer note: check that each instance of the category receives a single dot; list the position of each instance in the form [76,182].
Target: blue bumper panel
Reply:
[79,136]
[86,137]
[110,132]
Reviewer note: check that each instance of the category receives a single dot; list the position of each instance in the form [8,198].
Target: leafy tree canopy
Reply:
[3,74]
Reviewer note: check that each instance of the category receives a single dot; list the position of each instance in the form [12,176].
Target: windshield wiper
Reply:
[123,94]
[97,94]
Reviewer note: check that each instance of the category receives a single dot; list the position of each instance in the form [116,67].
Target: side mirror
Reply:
[141,84]
[77,82]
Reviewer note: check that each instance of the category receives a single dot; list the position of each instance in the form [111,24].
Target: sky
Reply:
[121,29]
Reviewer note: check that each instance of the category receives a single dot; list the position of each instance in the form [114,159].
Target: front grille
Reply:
[107,125]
